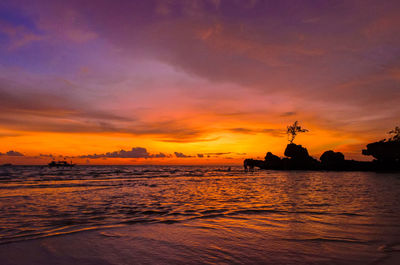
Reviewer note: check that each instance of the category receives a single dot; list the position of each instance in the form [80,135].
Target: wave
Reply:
[53,233]
[331,239]
[82,198]
[390,247]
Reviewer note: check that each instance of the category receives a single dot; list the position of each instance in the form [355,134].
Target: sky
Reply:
[194,82]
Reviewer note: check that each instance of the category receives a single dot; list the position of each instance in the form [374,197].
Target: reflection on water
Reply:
[293,213]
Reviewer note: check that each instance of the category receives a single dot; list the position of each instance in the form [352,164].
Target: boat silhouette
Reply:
[60,164]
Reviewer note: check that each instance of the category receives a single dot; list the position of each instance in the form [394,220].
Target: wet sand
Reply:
[197,242]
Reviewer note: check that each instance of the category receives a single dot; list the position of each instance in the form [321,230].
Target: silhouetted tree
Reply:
[396,134]
[293,130]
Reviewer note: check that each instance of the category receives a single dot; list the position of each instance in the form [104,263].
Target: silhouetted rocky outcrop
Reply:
[299,158]
[273,161]
[250,164]
[332,160]
[386,154]
[388,151]
[296,151]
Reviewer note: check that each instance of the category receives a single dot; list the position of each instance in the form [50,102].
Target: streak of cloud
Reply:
[135,152]
[181,155]
[11,153]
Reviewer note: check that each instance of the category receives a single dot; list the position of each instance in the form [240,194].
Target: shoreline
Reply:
[194,242]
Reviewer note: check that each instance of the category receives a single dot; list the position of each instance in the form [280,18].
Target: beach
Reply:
[194,243]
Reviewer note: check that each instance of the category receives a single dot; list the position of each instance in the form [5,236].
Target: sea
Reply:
[197,215]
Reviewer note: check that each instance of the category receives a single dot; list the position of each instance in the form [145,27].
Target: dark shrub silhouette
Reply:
[293,130]
[396,134]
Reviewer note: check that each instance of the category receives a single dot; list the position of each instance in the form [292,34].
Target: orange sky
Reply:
[194,82]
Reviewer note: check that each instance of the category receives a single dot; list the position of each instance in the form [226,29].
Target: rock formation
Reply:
[331,160]
[299,158]
[273,161]
[386,154]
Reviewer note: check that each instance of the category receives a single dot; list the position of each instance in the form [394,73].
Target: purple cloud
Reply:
[182,155]
[135,152]
[11,153]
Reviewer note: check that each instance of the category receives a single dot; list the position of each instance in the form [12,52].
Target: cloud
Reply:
[218,154]
[29,97]
[288,114]
[182,155]
[159,155]
[188,140]
[257,48]
[12,153]
[46,155]
[4,135]
[33,108]
[135,152]
[18,35]
[271,132]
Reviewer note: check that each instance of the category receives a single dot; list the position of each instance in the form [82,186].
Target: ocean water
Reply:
[206,215]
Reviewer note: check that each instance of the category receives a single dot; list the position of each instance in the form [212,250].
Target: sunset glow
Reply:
[194,82]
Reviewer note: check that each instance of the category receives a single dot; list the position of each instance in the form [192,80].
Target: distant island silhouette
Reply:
[386,155]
